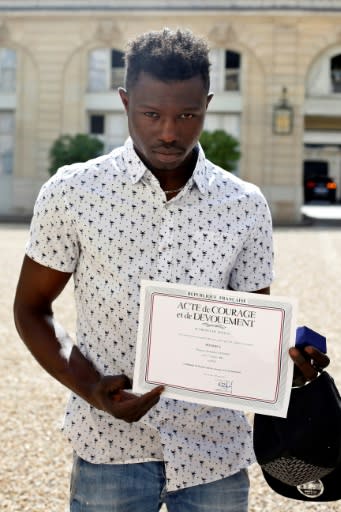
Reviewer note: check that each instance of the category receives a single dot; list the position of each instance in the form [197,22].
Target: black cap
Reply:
[300,455]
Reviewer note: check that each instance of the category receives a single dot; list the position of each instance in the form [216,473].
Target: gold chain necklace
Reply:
[175,191]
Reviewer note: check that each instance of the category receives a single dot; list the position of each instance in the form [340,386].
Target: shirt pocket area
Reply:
[213,254]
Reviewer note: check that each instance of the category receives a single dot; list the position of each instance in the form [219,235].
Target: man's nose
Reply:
[168,130]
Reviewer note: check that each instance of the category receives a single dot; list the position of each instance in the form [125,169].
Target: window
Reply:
[335,65]
[98,72]
[225,70]
[109,127]
[7,70]
[106,69]
[232,71]
[6,142]
[97,124]
[117,69]
[324,77]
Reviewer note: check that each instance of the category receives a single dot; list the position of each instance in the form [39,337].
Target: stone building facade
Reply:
[61,63]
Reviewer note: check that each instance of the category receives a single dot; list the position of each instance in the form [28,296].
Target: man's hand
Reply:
[308,364]
[108,395]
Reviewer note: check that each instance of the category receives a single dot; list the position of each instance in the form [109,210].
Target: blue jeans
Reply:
[141,488]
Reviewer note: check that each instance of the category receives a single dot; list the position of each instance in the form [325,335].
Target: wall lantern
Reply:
[283,116]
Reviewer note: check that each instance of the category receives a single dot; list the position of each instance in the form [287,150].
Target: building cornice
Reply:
[171,5]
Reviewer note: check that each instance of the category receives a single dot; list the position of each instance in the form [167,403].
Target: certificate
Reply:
[216,347]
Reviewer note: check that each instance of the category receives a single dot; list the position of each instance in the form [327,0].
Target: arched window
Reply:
[117,69]
[335,72]
[232,71]
[106,117]
[8,66]
[6,141]
[106,69]
[324,76]
[225,70]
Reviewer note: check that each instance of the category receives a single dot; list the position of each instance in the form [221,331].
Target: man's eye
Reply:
[154,115]
[187,116]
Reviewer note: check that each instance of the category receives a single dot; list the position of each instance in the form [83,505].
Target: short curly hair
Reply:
[168,56]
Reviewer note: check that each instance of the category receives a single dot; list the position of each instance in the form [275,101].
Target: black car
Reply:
[320,187]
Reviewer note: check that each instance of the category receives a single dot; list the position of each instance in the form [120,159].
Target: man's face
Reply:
[165,119]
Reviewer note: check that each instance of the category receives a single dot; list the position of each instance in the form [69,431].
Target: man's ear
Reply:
[124,97]
[209,97]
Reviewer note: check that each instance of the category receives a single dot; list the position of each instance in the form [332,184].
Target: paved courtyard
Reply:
[35,459]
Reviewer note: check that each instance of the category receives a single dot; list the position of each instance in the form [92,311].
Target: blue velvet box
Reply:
[306,336]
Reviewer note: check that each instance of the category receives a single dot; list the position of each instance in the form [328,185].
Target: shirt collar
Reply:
[202,176]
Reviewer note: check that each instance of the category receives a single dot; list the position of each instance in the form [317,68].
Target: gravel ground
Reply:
[36,460]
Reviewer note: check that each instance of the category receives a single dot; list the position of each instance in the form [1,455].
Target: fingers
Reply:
[130,408]
[114,383]
[145,402]
[309,363]
[109,395]
[319,360]
[306,370]
[123,381]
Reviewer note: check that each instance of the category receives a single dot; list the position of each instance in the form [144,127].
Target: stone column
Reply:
[284,153]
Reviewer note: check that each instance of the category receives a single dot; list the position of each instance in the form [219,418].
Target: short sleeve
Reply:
[253,268]
[53,240]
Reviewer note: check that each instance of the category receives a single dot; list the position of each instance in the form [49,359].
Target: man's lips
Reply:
[168,152]
[166,155]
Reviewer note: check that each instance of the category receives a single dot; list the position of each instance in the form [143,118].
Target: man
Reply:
[155,209]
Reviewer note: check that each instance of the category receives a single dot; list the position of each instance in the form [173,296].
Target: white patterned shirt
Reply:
[109,223]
